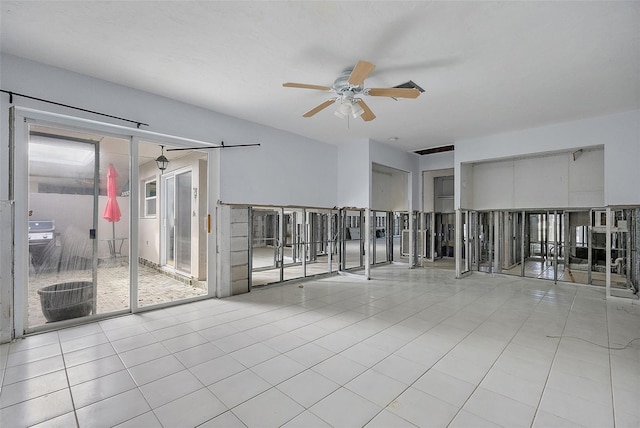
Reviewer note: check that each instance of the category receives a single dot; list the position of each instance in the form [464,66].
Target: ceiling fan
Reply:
[349,87]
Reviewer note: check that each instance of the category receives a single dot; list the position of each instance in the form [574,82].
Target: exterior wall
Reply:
[201,206]
[149,227]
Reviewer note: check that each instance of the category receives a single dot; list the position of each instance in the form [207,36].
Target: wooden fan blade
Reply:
[305,86]
[360,72]
[393,92]
[315,110]
[367,115]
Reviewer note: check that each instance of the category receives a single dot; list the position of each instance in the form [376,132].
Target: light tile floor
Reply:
[408,348]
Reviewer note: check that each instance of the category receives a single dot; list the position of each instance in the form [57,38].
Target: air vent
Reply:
[410,85]
[433,150]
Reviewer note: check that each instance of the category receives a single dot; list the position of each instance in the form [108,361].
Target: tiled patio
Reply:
[154,287]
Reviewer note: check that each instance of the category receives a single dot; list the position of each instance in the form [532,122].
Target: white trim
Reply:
[134,222]
[6,259]
[21,225]
[212,256]
[74,122]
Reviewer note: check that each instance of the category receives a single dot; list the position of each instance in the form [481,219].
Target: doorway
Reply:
[87,241]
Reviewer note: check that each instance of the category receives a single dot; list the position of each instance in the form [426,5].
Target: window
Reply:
[150,197]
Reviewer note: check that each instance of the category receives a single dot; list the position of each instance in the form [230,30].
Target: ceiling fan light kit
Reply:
[349,86]
[349,107]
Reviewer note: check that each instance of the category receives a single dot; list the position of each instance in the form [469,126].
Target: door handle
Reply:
[92,234]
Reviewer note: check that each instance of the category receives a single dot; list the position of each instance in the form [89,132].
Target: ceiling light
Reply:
[162,161]
[344,110]
[356,110]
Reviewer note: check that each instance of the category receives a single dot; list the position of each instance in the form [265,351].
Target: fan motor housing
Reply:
[342,86]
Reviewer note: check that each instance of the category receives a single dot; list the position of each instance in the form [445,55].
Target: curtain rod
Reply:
[11,95]
[222,146]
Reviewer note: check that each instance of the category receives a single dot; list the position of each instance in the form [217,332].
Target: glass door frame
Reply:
[92,233]
[464,241]
[21,119]
[345,221]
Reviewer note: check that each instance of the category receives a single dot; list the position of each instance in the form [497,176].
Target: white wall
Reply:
[436,161]
[149,227]
[463,182]
[428,190]
[354,171]
[286,169]
[389,189]
[550,181]
[618,133]
[385,155]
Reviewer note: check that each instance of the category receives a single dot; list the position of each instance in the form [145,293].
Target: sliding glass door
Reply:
[90,240]
[77,225]
[173,226]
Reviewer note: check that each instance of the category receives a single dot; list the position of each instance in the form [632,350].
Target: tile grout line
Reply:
[334,353]
[613,405]
[66,374]
[498,357]
[488,291]
[359,342]
[4,367]
[287,304]
[555,354]
[133,379]
[453,347]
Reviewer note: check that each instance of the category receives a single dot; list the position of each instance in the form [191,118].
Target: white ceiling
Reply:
[487,67]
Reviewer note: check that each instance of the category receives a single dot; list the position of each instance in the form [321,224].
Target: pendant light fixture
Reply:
[162,161]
